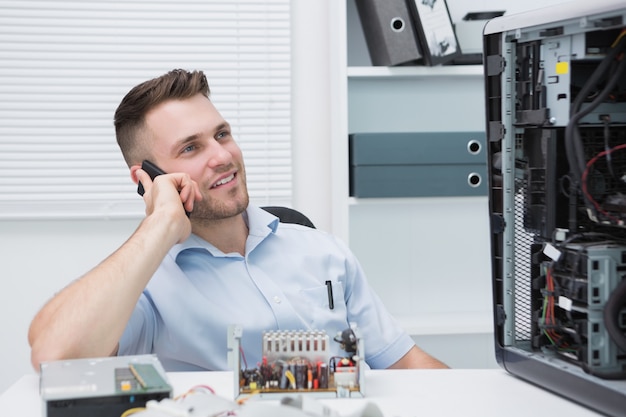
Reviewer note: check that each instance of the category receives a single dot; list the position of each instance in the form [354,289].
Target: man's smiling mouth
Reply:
[224,180]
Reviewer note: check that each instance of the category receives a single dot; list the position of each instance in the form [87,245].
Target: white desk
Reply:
[398,393]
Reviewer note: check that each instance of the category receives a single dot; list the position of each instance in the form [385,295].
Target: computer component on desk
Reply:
[299,361]
[201,403]
[101,386]
[556,120]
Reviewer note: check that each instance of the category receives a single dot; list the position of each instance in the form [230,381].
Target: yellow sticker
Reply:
[562,67]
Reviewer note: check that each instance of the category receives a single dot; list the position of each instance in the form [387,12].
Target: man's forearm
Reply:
[88,317]
[418,359]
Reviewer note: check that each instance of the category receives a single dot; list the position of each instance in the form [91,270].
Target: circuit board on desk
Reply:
[299,362]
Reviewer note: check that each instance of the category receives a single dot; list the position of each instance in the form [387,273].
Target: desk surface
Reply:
[398,393]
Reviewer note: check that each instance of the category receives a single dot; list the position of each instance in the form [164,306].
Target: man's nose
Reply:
[218,154]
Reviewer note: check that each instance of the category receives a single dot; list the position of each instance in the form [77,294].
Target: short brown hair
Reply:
[130,114]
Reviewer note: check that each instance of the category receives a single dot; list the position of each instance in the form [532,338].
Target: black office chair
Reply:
[289,215]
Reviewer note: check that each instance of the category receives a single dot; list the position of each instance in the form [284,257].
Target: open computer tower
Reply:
[555,85]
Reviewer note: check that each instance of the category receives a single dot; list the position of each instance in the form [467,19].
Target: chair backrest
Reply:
[289,215]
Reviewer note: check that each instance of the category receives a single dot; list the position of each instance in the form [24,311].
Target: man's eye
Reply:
[222,135]
[189,148]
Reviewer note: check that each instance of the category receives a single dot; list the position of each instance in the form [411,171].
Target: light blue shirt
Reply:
[198,291]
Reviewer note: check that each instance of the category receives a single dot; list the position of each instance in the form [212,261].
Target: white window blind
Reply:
[65,66]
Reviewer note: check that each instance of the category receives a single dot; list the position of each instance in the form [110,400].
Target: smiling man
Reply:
[180,280]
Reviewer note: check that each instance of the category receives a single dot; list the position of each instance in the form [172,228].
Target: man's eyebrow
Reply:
[187,139]
[222,126]
[184,141]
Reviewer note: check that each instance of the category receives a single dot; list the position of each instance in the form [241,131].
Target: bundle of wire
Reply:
[610,70]
[201,401]
[569,343]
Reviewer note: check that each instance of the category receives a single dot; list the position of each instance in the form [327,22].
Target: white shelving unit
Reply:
[409,72]
[427,258]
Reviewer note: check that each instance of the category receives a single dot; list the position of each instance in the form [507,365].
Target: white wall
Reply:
[310,132]
[38,259]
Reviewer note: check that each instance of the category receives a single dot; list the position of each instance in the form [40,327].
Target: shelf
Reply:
[416,71]
[355,201]
[447,323]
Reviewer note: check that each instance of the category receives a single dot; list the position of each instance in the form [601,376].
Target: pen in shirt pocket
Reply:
[329,290]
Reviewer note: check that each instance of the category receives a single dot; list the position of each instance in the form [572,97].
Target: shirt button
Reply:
[277,299]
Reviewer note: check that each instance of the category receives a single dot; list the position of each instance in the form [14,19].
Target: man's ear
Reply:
[133,173]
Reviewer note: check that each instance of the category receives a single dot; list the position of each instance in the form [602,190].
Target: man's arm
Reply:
[418,359]
[88,317]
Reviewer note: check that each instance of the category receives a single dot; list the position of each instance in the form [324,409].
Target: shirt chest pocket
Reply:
[324,306]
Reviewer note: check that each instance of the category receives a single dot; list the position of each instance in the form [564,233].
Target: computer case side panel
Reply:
[555,95]
[493,66]
[589,393]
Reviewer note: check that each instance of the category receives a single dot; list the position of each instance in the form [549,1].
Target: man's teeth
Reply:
[224,181]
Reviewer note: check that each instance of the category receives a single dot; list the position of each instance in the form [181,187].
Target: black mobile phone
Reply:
[152,170]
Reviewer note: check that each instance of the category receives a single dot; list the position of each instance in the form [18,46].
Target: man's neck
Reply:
[228,235]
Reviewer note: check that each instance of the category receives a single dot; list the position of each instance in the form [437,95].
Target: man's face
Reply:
[191,136]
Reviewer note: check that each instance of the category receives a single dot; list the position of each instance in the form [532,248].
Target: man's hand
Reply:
[170,195]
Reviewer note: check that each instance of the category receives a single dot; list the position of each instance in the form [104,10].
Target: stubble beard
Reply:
[212,209]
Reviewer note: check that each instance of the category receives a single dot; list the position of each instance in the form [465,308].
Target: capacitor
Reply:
[301,375]
[323,375]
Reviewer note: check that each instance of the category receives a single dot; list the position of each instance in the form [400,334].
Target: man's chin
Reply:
[218,211]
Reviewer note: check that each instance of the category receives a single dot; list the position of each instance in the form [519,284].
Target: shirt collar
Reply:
[260,225]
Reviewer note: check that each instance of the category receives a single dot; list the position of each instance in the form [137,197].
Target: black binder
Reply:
[389,31]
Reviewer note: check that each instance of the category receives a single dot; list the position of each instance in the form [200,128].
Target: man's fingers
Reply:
[189,192]
[144,179]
